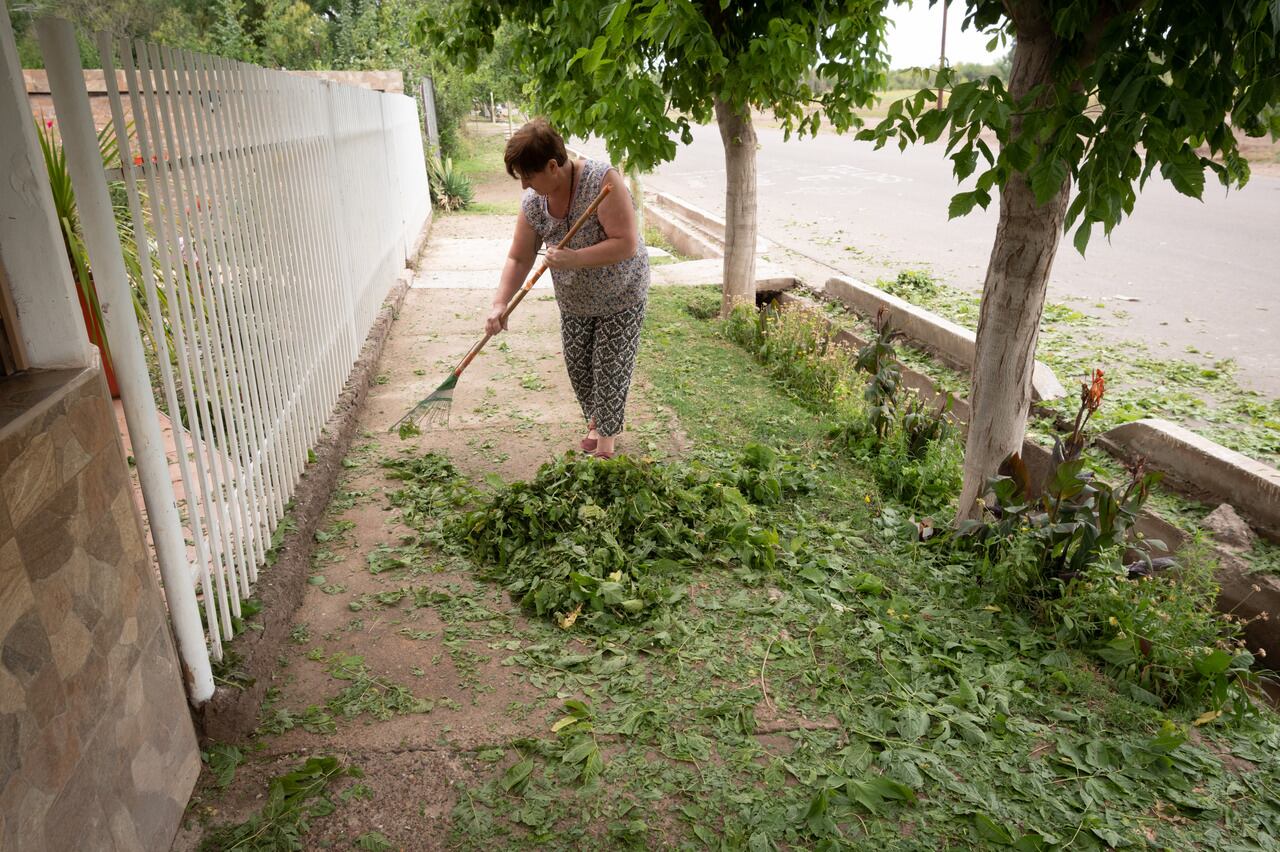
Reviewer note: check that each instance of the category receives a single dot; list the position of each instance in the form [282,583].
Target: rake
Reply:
[434,409]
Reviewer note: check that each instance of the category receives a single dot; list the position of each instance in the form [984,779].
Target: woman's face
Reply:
[543,182]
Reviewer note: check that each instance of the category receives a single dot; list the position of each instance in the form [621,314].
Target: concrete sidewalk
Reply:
[513,410]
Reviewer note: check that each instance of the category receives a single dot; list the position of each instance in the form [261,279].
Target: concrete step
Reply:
[691,229]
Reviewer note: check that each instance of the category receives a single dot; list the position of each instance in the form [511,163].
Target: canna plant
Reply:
[1076,520]
[877,358]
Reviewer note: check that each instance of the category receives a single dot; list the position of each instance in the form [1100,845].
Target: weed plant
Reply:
[1157,634]
[911,447]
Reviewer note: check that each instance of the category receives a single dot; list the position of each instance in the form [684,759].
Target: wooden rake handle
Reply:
[528,285]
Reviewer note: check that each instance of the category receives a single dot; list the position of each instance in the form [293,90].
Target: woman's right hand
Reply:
[495,323]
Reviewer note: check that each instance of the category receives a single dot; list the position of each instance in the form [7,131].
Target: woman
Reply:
[601,278]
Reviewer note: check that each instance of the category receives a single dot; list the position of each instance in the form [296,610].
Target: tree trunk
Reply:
[637,195]
[739,139]
[1013,293]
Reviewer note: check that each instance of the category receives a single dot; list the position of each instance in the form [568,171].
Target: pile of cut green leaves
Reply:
[601,543]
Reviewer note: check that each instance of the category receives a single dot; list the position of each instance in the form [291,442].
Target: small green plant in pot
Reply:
[65,208]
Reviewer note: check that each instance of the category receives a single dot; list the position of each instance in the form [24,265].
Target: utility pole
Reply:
[942,57]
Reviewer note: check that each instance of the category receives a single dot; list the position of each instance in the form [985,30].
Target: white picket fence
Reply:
[272,213]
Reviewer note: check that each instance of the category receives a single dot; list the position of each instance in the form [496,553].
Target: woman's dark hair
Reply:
[531,147]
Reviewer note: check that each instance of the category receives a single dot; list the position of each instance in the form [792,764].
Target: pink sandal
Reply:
[588,444]
[603,454]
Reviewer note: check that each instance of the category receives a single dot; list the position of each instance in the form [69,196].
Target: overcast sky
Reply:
[917,33]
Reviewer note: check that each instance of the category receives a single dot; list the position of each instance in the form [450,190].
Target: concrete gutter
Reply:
[951,342]
[1201,466]
[687,240]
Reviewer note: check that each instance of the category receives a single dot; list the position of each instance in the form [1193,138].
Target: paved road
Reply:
[1205,274]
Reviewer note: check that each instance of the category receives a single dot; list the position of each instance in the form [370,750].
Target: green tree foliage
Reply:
[636,72]
[292,35]
[639,72]
[1101,95]
[1135,88]
[230,36]
[356,35]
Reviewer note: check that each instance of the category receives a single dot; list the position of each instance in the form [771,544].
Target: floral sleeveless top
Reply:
[598,291]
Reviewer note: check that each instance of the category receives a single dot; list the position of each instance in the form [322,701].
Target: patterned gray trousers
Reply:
[600,354]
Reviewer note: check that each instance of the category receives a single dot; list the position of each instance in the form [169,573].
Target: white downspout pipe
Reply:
[71,101]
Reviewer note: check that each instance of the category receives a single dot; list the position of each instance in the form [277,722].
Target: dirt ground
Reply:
[513,411]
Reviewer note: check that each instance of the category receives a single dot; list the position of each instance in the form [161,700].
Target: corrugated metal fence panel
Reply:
[273,213]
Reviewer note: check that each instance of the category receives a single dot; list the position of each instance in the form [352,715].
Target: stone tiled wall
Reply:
[97,749]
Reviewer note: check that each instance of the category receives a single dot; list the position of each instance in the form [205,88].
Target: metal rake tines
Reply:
[429,413]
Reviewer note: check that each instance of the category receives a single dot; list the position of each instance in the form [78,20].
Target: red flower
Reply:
[137,159]
[1094,391]
[48,123]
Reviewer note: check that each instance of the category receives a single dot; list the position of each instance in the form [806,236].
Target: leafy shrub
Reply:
[600,543]
[1071,555]
[911,284]
[1161,634]
[450,188]
[919,459]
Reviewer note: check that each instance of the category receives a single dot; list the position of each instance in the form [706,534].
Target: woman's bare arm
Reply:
[520,258]
[618,218]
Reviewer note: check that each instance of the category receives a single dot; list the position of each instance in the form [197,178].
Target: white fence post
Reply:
[71,100]
[44,292]
[429,117]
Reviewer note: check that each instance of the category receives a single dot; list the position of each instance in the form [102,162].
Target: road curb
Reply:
[1200,465]
[951,342]
[685,240]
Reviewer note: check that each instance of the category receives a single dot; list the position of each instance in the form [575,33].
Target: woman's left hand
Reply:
[562,258]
